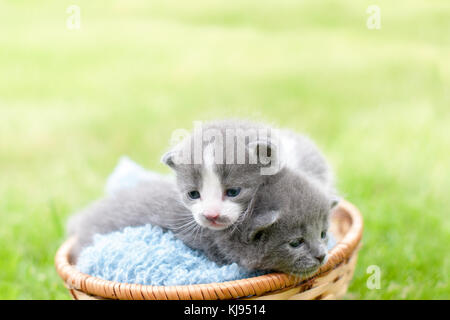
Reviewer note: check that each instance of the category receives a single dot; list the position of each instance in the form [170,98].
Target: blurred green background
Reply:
[376,101]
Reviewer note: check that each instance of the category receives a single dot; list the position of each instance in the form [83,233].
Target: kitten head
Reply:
[217,182]
[288,230]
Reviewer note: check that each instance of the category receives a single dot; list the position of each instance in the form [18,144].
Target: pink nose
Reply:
[212,215]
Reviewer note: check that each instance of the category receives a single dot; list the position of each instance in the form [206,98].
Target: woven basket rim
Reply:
[248,287]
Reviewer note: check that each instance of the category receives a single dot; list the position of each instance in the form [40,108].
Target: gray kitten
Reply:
[220,166]
[282,232]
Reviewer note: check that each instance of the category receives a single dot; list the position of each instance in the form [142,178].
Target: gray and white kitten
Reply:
[282,233]
[239,214]
[218,187]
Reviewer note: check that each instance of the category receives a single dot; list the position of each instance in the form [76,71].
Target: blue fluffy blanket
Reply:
[148,255]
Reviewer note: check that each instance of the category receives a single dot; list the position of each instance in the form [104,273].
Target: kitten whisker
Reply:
[182,227]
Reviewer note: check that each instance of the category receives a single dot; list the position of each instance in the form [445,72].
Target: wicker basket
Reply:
[329,282]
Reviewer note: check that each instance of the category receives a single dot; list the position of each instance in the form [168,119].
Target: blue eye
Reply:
[296,243]
[194,194]
[232,192]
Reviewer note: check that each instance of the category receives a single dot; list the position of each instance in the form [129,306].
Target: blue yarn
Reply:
[149,255]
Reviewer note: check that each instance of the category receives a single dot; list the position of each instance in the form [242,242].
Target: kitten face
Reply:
[292,248]
[217,195]
[219,189]
[288,230]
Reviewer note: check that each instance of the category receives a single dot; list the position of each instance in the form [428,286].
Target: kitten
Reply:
[283,233]
[287,230]
[282,188]
[221,165]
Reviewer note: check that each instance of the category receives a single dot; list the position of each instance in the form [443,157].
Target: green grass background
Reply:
[376,101]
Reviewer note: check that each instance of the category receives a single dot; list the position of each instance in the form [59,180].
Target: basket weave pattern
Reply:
[329,282]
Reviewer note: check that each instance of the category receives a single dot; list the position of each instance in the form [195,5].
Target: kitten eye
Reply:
[194,194]
[296,243]
[232,192]
[323,235]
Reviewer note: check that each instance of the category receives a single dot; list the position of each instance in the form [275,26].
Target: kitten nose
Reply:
[321,257]
[211,216]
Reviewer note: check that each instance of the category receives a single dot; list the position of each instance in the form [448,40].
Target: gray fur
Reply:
[154,203]
[287,208]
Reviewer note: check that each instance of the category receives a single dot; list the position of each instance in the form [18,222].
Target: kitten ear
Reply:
[168,159]
[260,223]
[266,153]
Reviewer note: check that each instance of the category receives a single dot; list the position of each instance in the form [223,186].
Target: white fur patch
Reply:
[211,191]
[231,210]
[212,198]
